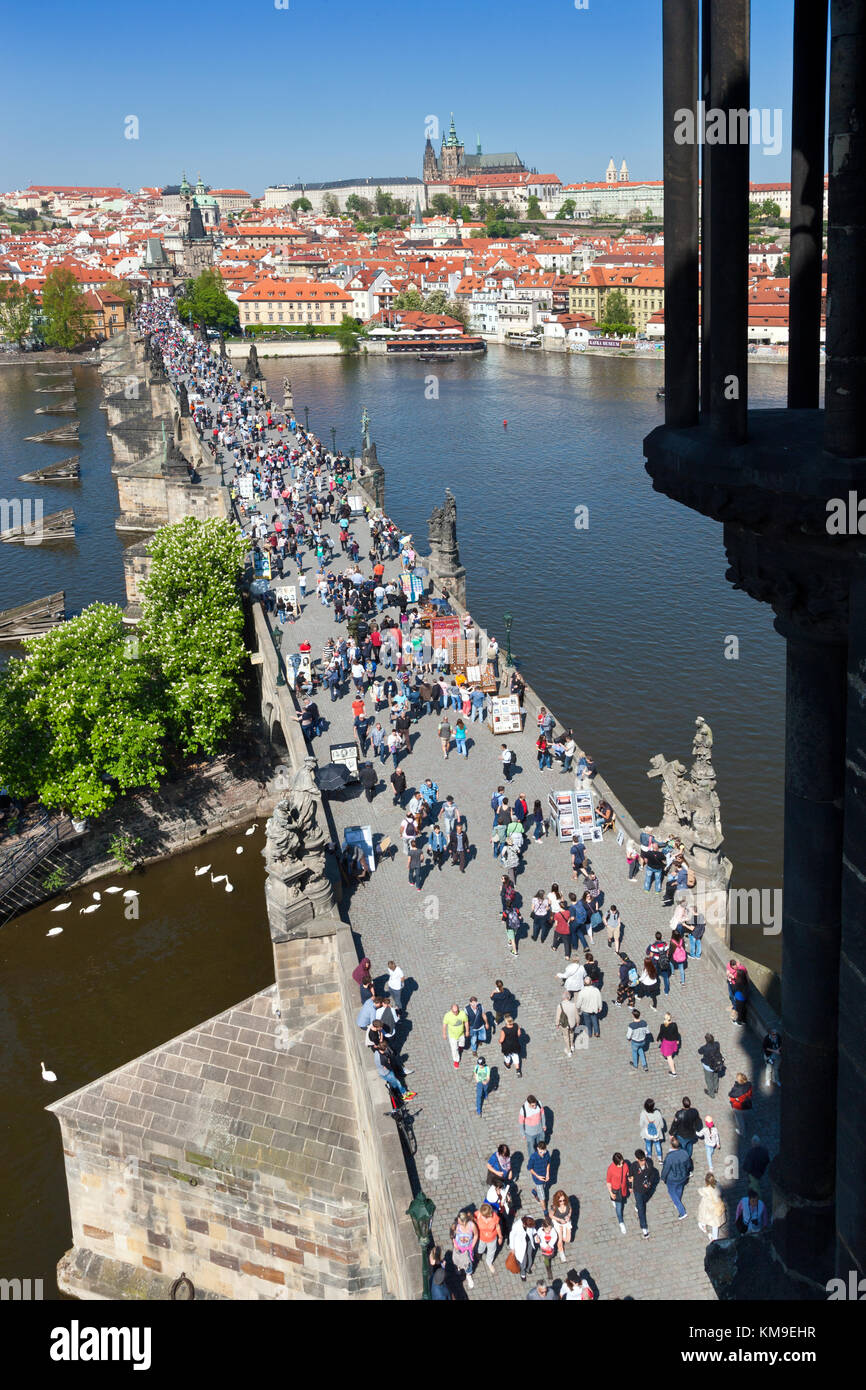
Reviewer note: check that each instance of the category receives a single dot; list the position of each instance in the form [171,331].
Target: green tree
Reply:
[617,312]
[783,269]
[121,289]
[17,307]
[770,210]
[330,205]
[64,310]
[456,309]
[440,202]
[361,206]
[302,205]
[192,629]
[568,207]
[80,721]
[533,208]
[384,203]
[207,301]
[408,299]
[347,334]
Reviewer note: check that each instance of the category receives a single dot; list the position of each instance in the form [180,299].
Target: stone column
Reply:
[803,1174]
[851,1142]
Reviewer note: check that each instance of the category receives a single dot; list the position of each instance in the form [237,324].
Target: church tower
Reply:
[451,158]
[610,173]
[430,170]
[623,173]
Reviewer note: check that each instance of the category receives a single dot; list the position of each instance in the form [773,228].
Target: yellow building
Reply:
[294,302]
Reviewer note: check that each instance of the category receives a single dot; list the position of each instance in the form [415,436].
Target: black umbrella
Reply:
[332,777]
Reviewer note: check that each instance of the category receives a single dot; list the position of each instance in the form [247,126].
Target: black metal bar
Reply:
[807,202]
[845,394]
[706,229]
[729,216]
[680,47]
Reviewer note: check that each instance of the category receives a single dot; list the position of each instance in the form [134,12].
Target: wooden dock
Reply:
[58,526]
[66,471]
[65,407]
[64,434]
[32,619]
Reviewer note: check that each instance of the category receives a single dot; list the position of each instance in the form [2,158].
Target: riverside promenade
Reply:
[449,940]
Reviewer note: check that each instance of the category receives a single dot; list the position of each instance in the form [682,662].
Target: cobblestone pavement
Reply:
[450,942]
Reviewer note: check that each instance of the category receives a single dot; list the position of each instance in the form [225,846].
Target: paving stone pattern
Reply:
[450,942]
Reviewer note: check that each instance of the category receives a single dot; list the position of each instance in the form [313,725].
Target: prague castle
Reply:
[453,161]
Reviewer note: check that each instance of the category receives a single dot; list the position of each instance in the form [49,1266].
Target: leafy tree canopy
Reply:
[192,627]
[17,306]
[207,301]
[79,720]
[64,310]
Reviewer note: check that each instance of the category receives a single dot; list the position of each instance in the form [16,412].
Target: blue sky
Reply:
[252,94]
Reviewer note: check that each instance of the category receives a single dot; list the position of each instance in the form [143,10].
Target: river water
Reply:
[621,628]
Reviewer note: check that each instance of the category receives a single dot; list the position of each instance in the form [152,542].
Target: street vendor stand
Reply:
[503,713]
[362,837]
[347,754]
[572,813]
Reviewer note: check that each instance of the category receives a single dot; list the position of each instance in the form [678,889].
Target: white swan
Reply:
[130,892]
[115,888]
[230,888]
[97,897]
[220,878]
[61,907]
[239,850]
[252,830]
[47,1075]
[94,907]
[203,870]
[55,931]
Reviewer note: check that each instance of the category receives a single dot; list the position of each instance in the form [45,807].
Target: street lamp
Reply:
[277,636]
[306,417]
[421,1210]
[508,619]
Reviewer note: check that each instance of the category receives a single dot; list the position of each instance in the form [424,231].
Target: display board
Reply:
[562,814]
[361,835]
[355,502]
[412,585]
[347,754]
[245,487]
[503,714]
[586,823]
[444,630]
[289,594]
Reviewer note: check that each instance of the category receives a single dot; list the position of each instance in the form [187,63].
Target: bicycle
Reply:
[404,1121]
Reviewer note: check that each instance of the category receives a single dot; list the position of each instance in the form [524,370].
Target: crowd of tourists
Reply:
[291,495]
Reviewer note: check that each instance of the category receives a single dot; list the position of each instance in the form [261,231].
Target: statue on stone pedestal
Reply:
[183,401]
[691,802]
[252,371]
[365,432]
[442,530]
[294,852]
[223,353]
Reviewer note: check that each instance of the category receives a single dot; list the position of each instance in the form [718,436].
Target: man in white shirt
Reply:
[395,987]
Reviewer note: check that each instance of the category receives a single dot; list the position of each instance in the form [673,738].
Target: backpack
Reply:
[652,1130]
[679,952]
[632,975]
[563,1018]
